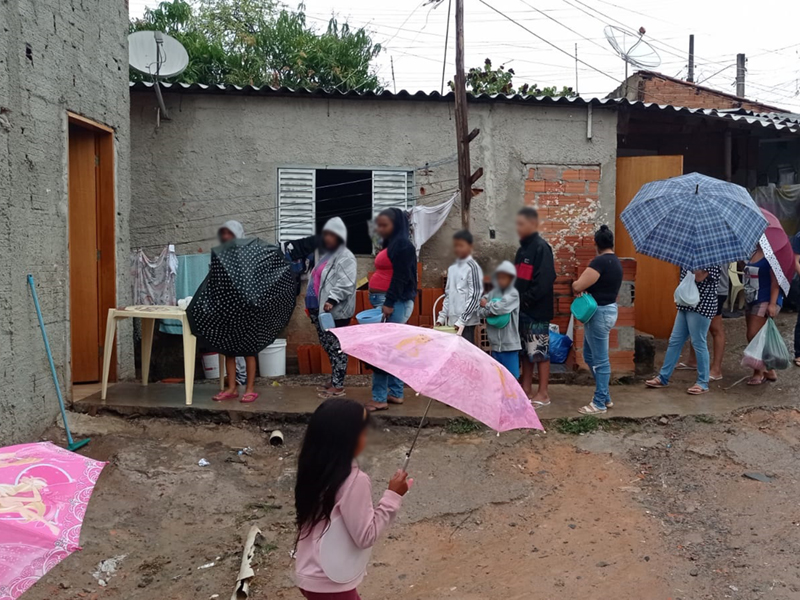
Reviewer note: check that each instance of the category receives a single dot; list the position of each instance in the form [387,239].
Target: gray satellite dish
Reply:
[632,49]
[158,55]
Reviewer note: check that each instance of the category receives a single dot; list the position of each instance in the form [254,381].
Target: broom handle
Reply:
[416,436]
[49,357]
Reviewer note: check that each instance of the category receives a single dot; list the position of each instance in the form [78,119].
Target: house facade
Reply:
[64,197]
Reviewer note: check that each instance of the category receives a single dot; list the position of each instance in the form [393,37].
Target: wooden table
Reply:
[149,315]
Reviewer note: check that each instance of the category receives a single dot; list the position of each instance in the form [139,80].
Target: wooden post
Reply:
[462,126]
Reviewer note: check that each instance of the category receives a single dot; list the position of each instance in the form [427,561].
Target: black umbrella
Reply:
[246,300]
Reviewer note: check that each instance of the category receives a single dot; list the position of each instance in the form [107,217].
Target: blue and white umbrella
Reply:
[694,221]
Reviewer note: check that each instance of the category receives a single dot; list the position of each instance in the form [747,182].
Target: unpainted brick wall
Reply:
[567,198]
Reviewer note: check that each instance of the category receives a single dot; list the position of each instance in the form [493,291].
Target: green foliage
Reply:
[462,425]
[487,80]
[257,42]
[704,419]
[579,425]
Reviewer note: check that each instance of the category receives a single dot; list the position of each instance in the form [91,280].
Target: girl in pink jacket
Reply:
[337,525]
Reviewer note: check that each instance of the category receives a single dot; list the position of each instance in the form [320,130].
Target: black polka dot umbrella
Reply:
[246,300]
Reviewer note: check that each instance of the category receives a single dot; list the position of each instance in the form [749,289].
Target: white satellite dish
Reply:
[156,54]
[632,49]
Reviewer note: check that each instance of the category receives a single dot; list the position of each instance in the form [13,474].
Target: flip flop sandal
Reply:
[591,409]
[540,403]
[324,388]
[756,381]
[685,367]
[225,396]
[712,378]
[394,400]
[797,362]
[331,393]
[697,390]
[655,384]
[376,408]
[248,398]
[609,404]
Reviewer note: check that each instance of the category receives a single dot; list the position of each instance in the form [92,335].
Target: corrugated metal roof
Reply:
[783,122]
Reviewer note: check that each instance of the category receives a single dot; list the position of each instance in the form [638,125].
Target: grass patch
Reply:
[708,419]
[462,425]
[578,425]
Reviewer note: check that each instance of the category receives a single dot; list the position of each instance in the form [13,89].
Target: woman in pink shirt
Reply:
[337,524]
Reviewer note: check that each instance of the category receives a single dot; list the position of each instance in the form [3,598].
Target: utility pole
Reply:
[740,71]
[463,135]
[690,76]
[576,69]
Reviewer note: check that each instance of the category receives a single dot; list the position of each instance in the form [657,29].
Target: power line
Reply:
[567,27]
[536,35]
[446,41]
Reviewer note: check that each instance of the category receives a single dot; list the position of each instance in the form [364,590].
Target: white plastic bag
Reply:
[687,294]
[754,353]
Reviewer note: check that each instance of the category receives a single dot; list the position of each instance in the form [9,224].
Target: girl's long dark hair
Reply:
[326,460]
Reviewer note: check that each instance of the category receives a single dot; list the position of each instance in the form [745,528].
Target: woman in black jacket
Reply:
[392,288]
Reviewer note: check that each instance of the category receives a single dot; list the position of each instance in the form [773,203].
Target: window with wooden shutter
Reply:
[390,189]
[296,203]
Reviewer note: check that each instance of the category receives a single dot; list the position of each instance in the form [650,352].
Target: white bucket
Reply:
[211,365]
[272,359]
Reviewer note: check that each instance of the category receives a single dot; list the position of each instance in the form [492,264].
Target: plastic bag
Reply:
[561,344]
[687,294]
[776,354]
[767,350]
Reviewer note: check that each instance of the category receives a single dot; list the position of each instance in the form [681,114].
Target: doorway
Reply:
[92,244]
[655,279]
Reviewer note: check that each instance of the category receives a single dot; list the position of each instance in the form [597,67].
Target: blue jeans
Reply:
[688,325]
[384,384]
[509,359]
[595,351]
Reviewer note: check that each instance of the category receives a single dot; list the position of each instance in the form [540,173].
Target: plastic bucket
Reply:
[272,359]
[372,315]
[211,365]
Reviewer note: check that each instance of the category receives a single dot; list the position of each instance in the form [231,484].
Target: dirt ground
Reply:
[633,511]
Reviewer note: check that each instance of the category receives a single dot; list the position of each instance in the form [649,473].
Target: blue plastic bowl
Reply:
[373,315]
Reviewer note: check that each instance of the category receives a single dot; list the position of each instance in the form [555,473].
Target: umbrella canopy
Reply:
[444,367]
[246,299]
[44,492]
[778,251]
[694,221]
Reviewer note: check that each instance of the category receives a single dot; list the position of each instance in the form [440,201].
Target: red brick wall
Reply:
[567,198]
[665,91]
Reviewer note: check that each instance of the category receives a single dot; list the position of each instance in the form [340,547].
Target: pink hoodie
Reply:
[364,522]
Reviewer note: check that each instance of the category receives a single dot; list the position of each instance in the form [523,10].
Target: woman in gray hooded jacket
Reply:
[332,289]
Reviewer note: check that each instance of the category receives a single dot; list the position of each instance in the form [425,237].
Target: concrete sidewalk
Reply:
[296,403]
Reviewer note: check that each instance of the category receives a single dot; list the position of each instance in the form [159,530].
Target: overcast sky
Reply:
[413,37]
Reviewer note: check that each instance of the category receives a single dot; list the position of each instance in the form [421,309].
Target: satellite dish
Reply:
[632,49]
[156,54]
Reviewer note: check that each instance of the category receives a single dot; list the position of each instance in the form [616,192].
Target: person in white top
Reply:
[462,296]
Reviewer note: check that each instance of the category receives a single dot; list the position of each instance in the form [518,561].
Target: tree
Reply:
[256,42]
[487,80]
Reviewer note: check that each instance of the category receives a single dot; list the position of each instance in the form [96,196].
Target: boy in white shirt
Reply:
[464,289]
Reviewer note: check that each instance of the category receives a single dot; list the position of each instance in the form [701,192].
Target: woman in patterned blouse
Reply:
[692,322]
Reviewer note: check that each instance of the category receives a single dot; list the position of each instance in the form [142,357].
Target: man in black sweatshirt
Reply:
[536,274]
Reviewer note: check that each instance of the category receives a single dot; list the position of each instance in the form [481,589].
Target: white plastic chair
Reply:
[737,287]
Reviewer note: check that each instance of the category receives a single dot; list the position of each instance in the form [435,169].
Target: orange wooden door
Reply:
[84,255]
[656,280]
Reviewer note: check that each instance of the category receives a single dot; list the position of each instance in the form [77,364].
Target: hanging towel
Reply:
[427,220]
[154,278]
[192,270]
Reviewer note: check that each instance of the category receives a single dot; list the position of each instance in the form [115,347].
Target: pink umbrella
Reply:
[44,491]
[445,367]
[778,251]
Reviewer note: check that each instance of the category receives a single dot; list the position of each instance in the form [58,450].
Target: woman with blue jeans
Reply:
[692,322]
[392,288]
[602,279]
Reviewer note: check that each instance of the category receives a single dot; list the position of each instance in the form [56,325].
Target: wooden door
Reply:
[84,255]
[656,280]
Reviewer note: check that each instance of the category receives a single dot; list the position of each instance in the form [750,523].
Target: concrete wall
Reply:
[219,155]
[55,56]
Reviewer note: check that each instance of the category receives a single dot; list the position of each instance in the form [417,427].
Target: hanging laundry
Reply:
[192,270]
[154,278]
[427,220]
